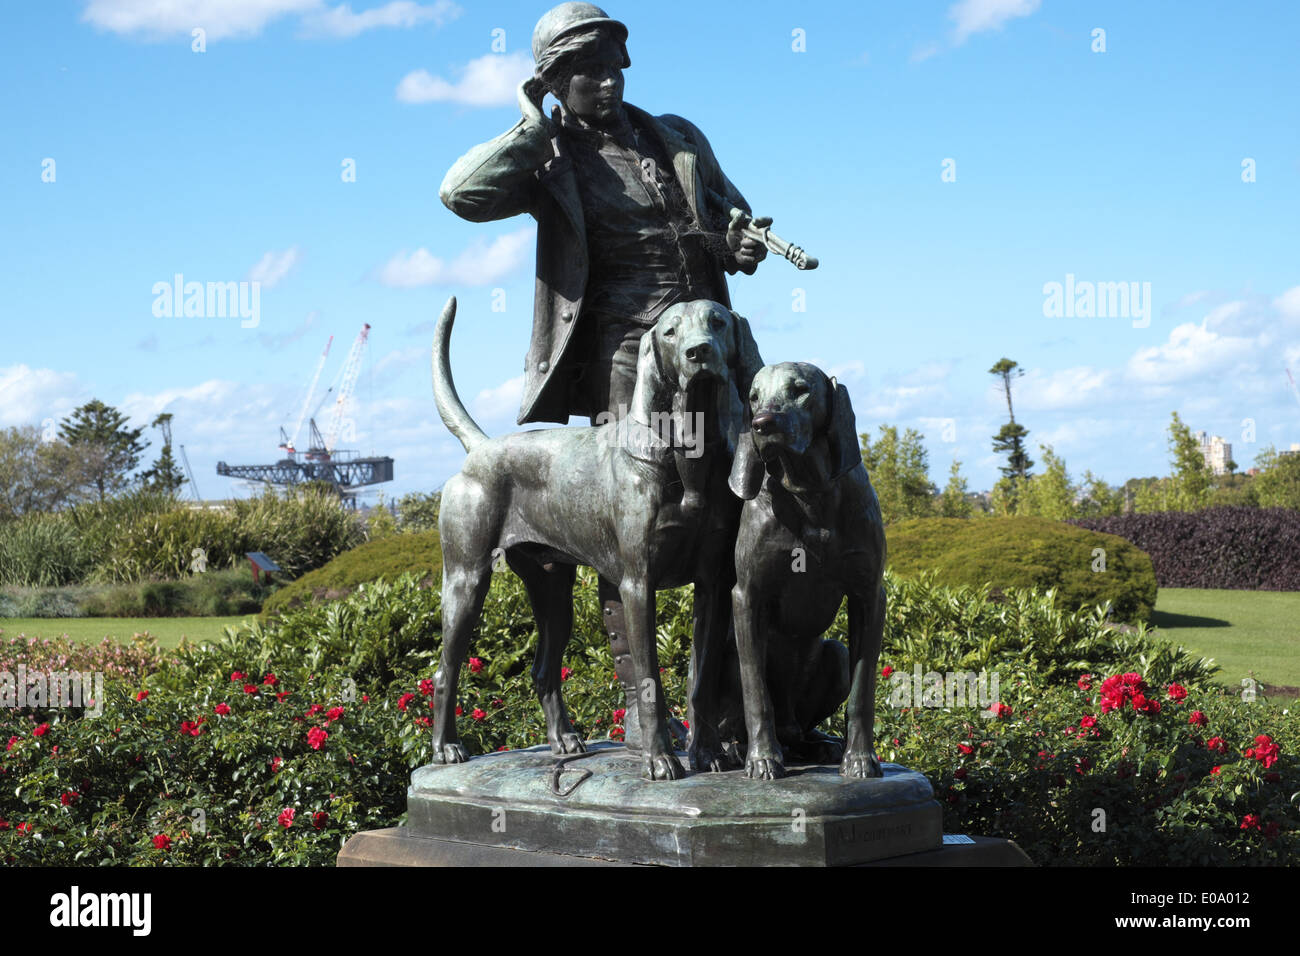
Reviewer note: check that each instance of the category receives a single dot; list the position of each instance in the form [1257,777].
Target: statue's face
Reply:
[596,84]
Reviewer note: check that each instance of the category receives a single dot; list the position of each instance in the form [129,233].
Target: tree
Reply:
[1189,487]
[1010,439]
[1278,482]
[1050,494]
[899,470]
[110,450]
[953,503]
[36,475]
[1099,498]
[164,476]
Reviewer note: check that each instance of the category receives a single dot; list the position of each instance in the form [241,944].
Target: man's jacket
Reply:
[524,170]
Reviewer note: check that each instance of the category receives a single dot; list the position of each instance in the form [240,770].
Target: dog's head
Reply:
[698,348]
[801,429]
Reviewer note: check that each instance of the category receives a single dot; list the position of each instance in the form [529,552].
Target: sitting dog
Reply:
[645,509]
[810,535]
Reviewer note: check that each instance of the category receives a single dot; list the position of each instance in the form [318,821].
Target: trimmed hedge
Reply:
[1028,553]
[1251,549]
[419,553]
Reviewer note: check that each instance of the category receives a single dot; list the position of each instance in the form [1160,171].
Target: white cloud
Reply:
[499,403]
[481,263]
[29,396]
[273,267]
[340,21]
[977,16]
[1063,388]
[1288,303]
[155,19]
[489,80]
[1192,351]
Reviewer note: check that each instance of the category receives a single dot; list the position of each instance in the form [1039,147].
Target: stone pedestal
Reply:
[526,807]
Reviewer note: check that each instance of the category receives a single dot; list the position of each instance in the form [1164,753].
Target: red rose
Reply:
[498,702]
[12,742]
[565,672]
[4,824]
[319,819]
[1083,765]
[1087,720]
[460,711]
[1265,751]
[270,680]
[1250,822]
[619,714]
[478,714]
[1215,769]
[616,733]
[886,671]
[236,676]
[286,817]
[41,731]
[1216,744]
[250,688]
[966,748]
[222,710]
[275,764]
[142,695]
[162,842]
[1198,719]
[1177,692]
[315,709]
[1001,710]
[960,773]
[475,665]
[283,695]
[404,700]
[426,687]
[336,713]
[68,797]
[316,738]
[1085,682]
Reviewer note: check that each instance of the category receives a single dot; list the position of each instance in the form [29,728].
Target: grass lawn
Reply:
[1248,633]
[167,630]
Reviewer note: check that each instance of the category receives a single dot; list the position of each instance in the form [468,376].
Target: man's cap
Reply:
[568,18]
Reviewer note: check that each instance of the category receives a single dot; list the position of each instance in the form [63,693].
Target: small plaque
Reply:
[950,839]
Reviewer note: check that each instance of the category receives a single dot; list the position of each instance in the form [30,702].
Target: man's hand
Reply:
[530,94]
[747,250]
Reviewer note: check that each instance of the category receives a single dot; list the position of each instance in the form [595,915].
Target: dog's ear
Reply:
[744,356]
[652,392]
[841,431]
[747,469]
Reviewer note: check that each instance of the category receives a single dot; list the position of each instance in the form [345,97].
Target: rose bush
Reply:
[276,743]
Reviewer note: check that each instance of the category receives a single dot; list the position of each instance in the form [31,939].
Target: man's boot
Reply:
[616,627]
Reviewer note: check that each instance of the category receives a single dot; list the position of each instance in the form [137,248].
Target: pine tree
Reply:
[953,502]
[899,471]
[165,475]
[109,450]
[1010,439]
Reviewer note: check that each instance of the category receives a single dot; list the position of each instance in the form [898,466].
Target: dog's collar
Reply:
[642,442]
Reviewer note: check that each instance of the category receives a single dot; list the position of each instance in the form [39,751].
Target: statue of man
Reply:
[629,209]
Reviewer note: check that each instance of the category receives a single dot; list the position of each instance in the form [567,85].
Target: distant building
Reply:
[1216,451]
[1295,450]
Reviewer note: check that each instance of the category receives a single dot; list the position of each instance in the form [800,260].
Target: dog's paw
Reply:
[764,768]
[569,743]
[714,761]
[662,767]
[860,765]
[449,753]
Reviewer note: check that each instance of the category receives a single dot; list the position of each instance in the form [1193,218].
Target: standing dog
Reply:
[645,509]
[810,535]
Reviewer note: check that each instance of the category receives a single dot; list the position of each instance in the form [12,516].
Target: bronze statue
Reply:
[810,535]
[621,498]
[634,214]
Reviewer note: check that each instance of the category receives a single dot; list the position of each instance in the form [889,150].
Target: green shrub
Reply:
[1028,553]
[145,768]
[42,550]
[212,594]
[417,511]
[389,557]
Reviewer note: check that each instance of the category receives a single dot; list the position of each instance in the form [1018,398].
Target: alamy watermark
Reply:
[53,689]
[953,689]
[665,430]
[1083,299]
[208,300]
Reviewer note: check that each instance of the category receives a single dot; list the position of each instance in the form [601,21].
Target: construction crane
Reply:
[289,442]
[189,473]
[1294,391]
[323,461]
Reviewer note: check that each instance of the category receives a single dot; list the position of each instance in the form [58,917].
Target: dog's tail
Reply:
[449,404]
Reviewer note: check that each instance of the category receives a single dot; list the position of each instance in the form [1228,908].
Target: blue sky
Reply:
[226,166]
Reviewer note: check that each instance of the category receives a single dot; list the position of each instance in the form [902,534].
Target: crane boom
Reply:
[292,444]
[348,382]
